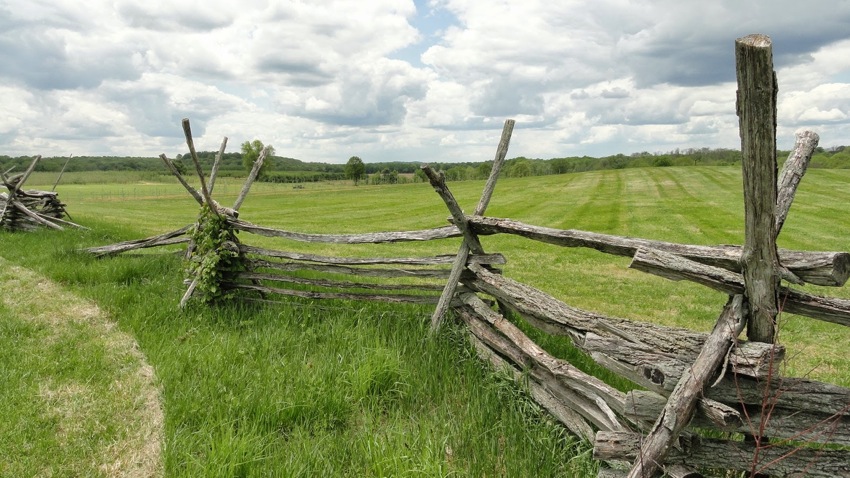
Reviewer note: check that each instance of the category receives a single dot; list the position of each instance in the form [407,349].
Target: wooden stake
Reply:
[61,172]
[205,193]
[756,109]
[176,173]
[792,172]
[463,251]
[682,402]
[217,163]
[251,178]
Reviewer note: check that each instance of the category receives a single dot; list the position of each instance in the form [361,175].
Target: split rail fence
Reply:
[776,426]
[29,209]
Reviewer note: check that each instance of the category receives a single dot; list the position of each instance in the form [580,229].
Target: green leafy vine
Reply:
[215,258]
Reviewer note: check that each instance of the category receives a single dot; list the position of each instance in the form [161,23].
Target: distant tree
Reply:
[484,170]
[355,169]
[520,168]
[251,151]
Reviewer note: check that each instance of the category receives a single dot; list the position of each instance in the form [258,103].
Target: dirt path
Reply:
[123,400]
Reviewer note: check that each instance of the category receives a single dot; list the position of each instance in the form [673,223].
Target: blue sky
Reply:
[402,80]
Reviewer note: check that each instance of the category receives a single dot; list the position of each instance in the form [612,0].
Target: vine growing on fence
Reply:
[215,258]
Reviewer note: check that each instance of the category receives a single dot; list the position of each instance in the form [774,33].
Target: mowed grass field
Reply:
[353,389]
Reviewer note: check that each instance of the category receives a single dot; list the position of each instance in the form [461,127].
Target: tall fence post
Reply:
[756,108]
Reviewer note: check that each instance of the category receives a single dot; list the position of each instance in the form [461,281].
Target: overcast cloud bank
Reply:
[397,80]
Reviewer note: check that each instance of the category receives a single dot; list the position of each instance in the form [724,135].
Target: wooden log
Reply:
[798,425]
[360,271]
[335,283]
[366,238]
[419,261]
[682,402]
[661,376]
[671,471]
[557,318]
[756,109]
[217,163]
[414,299]
[672,267]
[545,398]
[20,182]
[778,460]
[661,370]
[470,243]
[205,193]
[60,221]
[820,268]
[596,401]
[35,217]
[792,172]
[16,186]
[173,237]
[252,176]
[61,172]
[189,292]
[438,182]
[466,246]
[170,165]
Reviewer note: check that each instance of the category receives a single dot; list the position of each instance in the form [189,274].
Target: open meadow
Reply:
[358,389]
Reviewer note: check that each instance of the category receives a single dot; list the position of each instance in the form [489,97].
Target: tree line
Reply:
[291,170]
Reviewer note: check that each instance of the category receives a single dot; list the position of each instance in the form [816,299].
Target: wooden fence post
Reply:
[756,108]
[460,222]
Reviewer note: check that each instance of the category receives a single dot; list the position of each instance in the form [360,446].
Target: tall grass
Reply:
[334,389]
[355,389]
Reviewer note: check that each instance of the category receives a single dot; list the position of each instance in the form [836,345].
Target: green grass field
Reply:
[356,389]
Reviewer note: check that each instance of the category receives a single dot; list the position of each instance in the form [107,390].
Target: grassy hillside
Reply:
[351,389]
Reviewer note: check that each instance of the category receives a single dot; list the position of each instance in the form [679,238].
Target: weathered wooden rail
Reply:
[27,210]
[691,380]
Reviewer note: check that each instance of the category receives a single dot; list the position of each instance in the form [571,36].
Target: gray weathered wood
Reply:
[414,299]
[170,165]
[420,261]
[470,243]
[217,163]
[672,267]
[662,369]
[777,460]
[15,186]
[61,172]
[797,425]
[438,182]
[666,344]
[360,271]
[682,402]
[792,172]
[205,193]
[465,247]
[189,292]
[173,237]
[335,283]
[756,109]
[35,217]
[545,398]
[596,401]
[660,374]
[671,471]
[20,182]
[255,170]
[365,238]
[820,268]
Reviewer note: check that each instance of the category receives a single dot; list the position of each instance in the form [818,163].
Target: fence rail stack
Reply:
[29,209]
